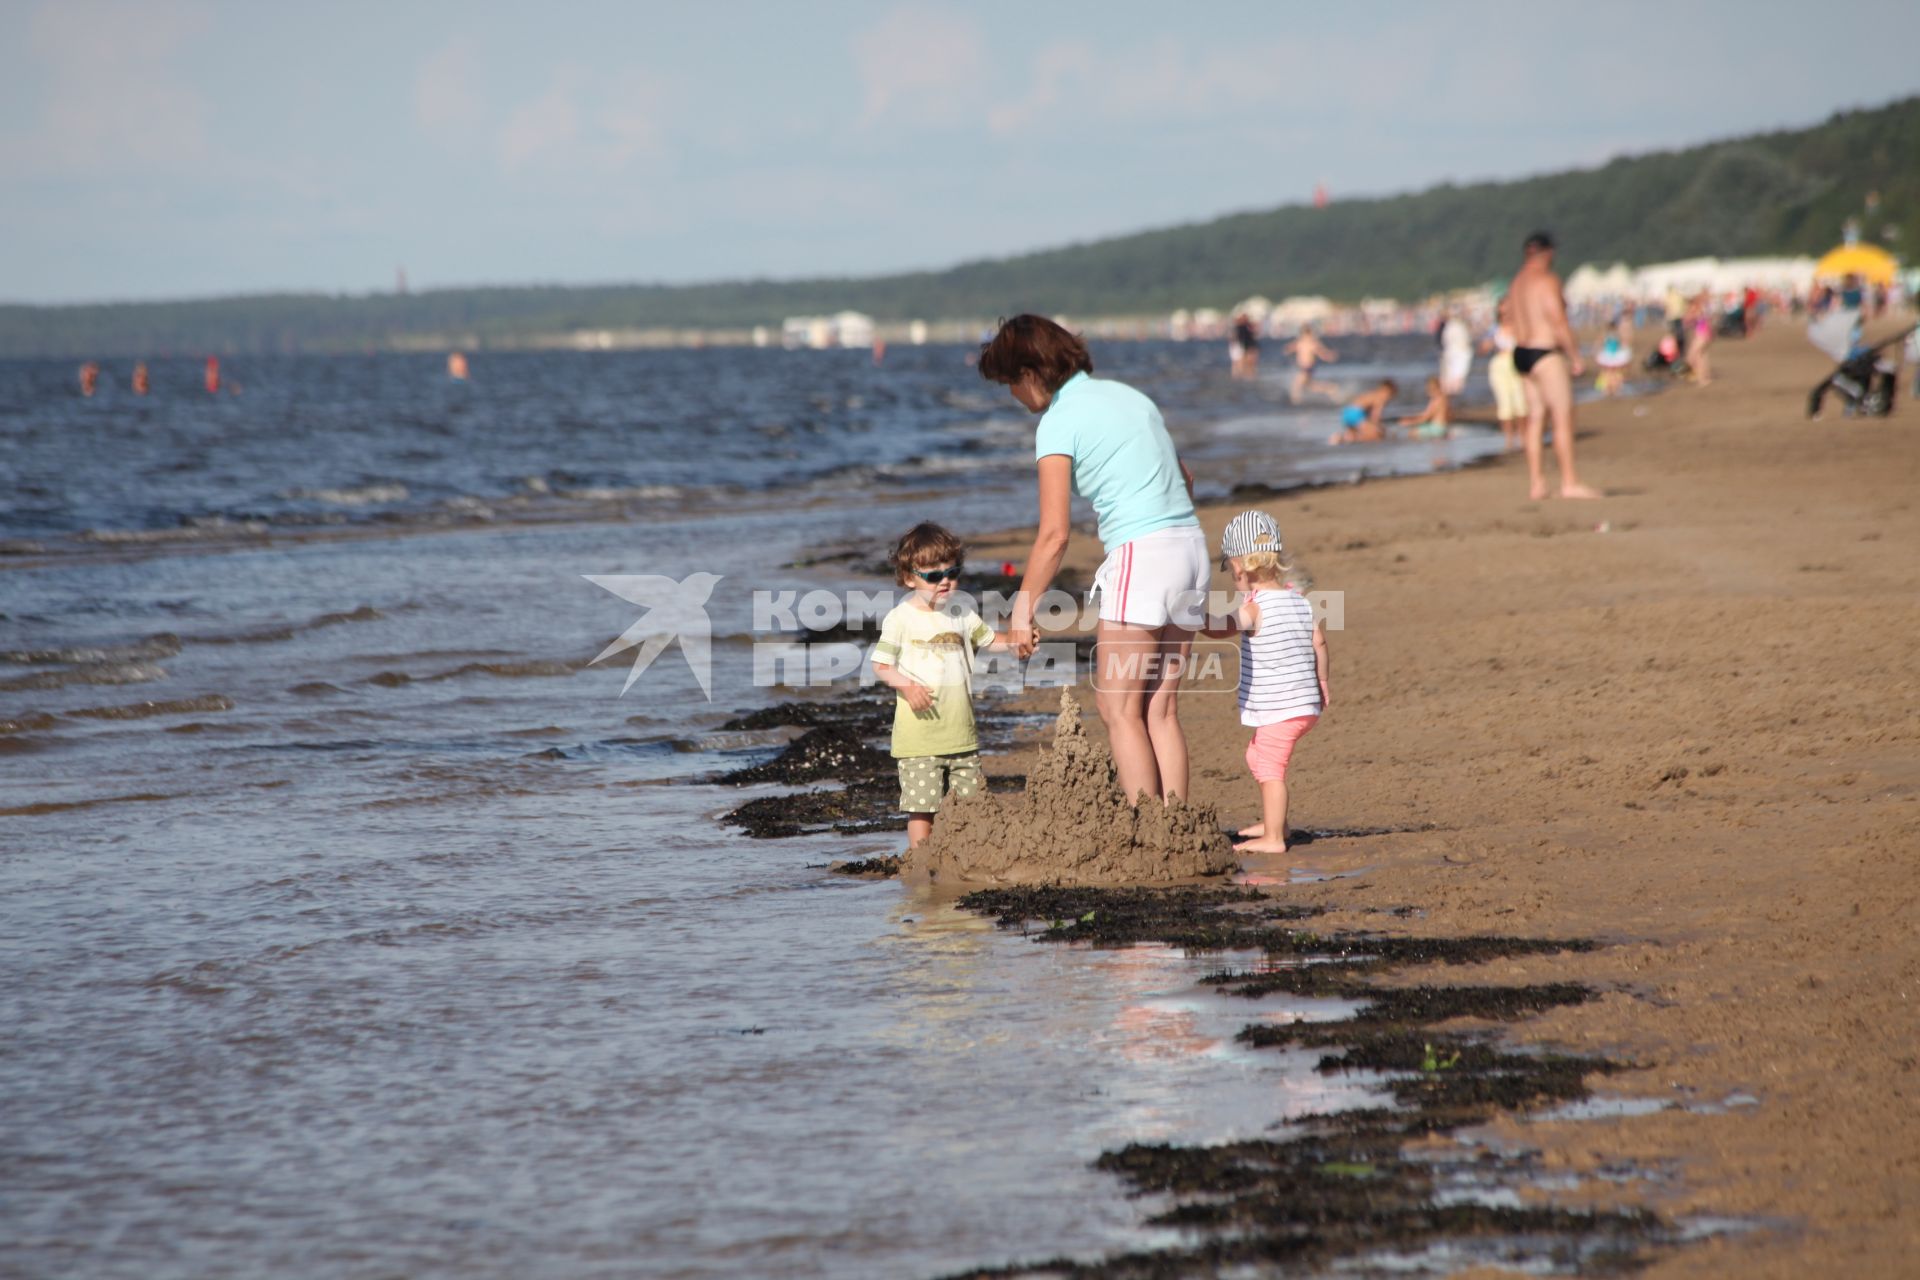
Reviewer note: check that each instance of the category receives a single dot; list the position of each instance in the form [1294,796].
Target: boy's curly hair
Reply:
[922,547]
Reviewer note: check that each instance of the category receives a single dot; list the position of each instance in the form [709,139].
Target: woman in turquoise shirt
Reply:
[1107,442]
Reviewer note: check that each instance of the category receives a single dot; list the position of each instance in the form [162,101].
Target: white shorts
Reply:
[1157,578]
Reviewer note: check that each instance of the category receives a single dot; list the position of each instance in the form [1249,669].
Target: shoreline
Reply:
[1685,733]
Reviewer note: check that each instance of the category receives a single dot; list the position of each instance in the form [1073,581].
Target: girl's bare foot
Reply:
[1579,491]
[1262,845]
[1253,832]
[1538,492]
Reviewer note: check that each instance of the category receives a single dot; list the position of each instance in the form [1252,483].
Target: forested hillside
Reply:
[1787,192]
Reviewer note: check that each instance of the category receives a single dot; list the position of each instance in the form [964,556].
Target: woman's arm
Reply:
[1186,473]
[1049,548]
[1246,617]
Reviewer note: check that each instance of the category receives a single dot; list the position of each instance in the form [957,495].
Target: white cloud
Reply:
[920,65]
[446,89]
[541,129]
[586,126]
[115,100]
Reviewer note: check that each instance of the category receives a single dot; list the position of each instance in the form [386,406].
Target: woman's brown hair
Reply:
[1037,343]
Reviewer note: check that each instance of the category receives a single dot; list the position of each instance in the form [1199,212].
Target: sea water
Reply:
[355,925]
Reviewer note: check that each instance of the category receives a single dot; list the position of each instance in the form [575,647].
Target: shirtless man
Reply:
[1546,355]
[1308,351]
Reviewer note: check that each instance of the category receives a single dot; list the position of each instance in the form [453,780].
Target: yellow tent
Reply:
[1875,266]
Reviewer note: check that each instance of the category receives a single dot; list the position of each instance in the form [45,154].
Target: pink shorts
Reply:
[1272,747]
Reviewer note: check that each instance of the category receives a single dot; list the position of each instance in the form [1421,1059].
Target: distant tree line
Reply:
[1786,192]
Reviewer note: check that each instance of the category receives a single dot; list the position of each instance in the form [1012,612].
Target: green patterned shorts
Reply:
[926,780]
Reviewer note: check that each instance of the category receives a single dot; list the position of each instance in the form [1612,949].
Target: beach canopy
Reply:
[1875,266]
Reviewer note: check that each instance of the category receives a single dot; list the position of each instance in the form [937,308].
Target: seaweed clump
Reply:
[1342,1186]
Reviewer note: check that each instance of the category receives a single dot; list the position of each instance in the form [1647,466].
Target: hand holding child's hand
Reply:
[918,696]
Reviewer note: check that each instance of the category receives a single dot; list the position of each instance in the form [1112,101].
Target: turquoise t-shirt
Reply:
[1123,458]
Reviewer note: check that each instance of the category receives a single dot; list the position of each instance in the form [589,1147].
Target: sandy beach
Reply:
[1678,721]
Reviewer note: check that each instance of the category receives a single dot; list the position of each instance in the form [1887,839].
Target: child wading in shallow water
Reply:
[925,654]
[1283,666]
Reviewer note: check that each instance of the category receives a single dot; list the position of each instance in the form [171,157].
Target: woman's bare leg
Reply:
[1163,712]
[1126,657]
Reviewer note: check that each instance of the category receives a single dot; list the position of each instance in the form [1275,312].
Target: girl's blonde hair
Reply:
[1276,566]
[1266,564]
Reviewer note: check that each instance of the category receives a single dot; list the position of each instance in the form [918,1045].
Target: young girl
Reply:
[1283,666]
[1435,422]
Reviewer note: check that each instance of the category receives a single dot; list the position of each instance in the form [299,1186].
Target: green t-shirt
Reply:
[936,649]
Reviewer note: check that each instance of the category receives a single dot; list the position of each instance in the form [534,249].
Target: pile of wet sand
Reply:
[1071,825]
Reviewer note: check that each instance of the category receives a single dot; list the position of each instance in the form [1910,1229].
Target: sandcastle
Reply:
[1071,825]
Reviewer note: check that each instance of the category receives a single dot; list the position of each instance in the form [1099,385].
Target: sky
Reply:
[190,148]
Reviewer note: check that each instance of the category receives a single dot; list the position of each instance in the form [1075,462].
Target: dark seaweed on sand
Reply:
[1343,1186]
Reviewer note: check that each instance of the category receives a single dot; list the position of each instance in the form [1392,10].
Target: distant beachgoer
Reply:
[1245,348]
[1750,310]
[89,378]
[1699,338]
[879,352]
[1109,442]
[1308,353]
[1456,353]
[1361,417]
[1283,666]
[1613,357]
[457,366]
[925,654]
[213,375]
[1509,388]
[140,380]
[1435,421]
[1547,356]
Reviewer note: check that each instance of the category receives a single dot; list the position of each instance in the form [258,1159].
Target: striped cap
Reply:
[1248,532]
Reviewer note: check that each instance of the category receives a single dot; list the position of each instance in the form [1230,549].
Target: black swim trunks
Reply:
[1524,358]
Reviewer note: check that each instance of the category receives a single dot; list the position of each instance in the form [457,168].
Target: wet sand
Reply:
[1690,734]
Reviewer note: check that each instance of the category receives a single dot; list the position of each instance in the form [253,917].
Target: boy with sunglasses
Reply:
[925,654]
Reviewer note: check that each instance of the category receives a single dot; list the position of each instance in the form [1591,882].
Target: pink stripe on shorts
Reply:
[1272,747]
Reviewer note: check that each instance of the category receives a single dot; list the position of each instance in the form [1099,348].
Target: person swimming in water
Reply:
[1308,353]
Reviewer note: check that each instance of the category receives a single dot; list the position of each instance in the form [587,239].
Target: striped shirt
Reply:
[1278,678]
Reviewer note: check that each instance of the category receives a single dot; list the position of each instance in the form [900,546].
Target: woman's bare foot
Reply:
[1253,832]
[1261,845]
[1538,492]
[1580,491]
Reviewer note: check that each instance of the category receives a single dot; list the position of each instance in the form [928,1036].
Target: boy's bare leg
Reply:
[919,827]
[1125,655]
[1273,809]
[1163,712]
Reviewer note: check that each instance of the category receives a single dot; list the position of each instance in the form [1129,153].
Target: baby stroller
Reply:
[1866,380]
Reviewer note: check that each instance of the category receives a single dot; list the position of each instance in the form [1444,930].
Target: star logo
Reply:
[673,611]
